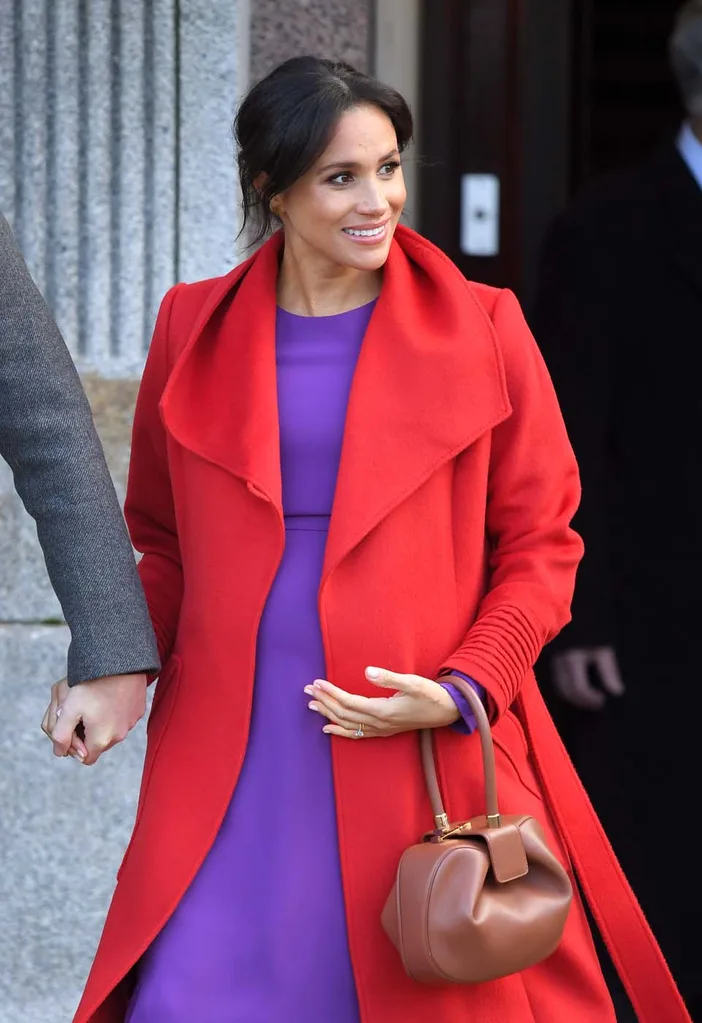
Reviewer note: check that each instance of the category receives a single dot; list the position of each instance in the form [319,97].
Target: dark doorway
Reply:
[541,96]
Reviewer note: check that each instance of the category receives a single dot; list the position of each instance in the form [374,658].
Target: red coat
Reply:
[449,545]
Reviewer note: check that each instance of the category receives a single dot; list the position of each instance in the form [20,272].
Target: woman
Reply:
[346,363]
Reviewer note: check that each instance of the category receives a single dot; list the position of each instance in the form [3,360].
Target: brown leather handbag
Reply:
[478,899]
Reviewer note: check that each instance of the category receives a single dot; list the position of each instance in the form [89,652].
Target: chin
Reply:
[370,260]
[375,262]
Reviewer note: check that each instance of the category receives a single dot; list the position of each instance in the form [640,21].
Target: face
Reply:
[344,211]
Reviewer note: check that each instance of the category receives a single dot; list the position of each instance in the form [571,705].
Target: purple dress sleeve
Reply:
[466,723]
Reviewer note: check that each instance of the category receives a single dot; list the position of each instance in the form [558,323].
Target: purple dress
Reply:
[260,935]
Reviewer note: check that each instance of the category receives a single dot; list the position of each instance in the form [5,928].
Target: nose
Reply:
[372,203]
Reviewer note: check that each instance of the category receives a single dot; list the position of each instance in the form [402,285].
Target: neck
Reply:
[312,287]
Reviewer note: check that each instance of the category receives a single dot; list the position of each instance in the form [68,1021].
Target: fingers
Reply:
[346,712]
[354,733]
[45,722]
[393,680]
[571,679]
[78,749]
[77,724]
[350,704]
[606,660]
[413,704]
[98,742]
[338,715]
[65,723]
[341,721]
[94,716]
[51,716]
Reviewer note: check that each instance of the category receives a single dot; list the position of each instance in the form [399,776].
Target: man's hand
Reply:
[85,720]
[571,676]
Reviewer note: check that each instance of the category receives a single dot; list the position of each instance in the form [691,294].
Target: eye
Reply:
[388,169]
[341,179]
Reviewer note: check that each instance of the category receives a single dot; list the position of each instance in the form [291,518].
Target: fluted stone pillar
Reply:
[117,175]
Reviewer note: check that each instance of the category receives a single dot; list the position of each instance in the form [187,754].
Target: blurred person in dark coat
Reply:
[618,316]
[48,438]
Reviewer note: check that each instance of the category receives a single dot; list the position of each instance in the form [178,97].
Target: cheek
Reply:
[397,195]
[324,212]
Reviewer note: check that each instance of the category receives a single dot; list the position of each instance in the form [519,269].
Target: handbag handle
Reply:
[489,772]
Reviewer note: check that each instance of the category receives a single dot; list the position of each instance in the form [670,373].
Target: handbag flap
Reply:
[508,856]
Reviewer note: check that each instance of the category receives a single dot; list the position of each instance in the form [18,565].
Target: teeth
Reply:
[366,233]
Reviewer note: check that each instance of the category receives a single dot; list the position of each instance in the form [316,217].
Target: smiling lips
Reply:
[367,235]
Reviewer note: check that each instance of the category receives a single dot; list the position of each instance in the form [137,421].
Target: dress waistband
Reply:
[308,523]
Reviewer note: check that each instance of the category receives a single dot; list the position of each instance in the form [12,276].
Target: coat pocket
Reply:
[508,736]
[159,716]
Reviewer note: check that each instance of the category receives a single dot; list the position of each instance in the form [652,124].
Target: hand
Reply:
[59,692]
[418,703]
[86,719]
[572,681]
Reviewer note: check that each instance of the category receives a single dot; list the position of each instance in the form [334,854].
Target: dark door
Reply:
[533,98]
[469,124]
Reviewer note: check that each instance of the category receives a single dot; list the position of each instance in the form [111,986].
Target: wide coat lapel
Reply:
[429,382]
[221,399]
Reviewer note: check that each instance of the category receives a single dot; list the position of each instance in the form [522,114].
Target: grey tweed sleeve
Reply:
[48,438]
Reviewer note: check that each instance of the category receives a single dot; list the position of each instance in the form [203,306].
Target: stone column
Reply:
[396,61]
[117,175]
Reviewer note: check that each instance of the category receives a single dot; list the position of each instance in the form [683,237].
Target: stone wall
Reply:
[117,174]
[339,29]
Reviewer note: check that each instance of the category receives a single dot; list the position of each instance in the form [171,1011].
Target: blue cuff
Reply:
[466,724]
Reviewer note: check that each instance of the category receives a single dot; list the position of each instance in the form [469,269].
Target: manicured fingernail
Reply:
[80,754]
[309,690]
[312,706]
[326,731]
[372,672]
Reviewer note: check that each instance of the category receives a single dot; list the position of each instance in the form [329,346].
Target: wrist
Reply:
[446,697]
[128,678]
[464,721]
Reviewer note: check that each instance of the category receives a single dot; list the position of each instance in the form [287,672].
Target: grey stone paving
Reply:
[62,834]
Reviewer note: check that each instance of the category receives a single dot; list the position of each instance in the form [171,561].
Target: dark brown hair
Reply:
[288,119]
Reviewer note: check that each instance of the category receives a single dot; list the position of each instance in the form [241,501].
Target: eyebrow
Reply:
[351,165]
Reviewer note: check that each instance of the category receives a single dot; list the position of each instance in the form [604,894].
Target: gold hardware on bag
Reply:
[493,820]
[458,830]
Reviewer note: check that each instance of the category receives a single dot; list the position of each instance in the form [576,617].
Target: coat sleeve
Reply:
[533,492]
[48,438]
[574,319]
[149,508]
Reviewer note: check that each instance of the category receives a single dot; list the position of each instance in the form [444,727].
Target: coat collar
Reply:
[429,381]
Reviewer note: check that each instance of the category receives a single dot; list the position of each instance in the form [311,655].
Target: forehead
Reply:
[362,133]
